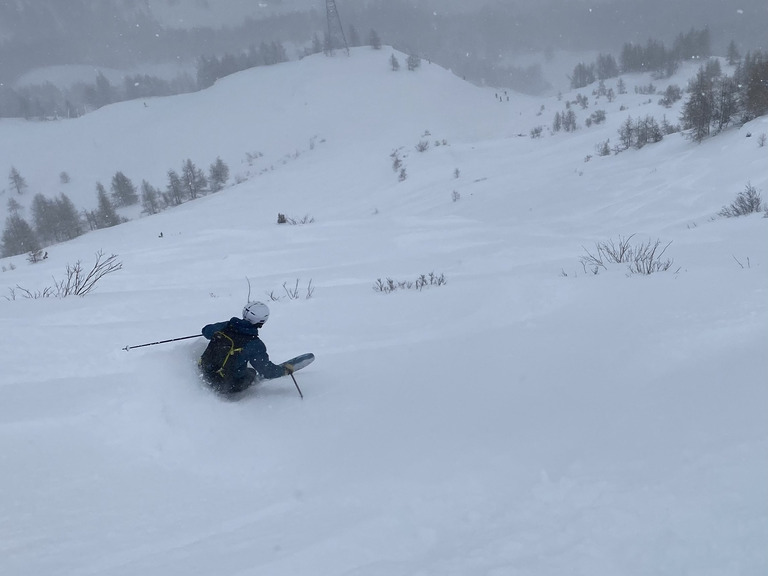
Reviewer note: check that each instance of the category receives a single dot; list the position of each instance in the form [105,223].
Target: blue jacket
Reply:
[253,351]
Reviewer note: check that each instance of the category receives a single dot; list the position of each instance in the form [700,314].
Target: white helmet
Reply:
[256,312]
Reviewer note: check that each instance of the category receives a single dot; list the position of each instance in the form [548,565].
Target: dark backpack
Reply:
[217,361]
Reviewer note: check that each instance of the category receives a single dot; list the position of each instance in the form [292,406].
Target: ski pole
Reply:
[162,342]
[297,385]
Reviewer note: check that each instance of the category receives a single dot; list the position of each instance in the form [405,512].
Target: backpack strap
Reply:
[232,350]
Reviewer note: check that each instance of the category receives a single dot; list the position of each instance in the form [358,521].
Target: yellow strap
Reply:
[232,350]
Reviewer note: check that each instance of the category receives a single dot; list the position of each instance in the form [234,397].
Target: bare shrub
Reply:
[397,162]
[422,146]
[643,258]
[29,294]
[746,202]
[390,285]
[749,264]
[78,281]
[648,258]
[37,256]
[423,281]
[610,252]
[283,219]
[293,293]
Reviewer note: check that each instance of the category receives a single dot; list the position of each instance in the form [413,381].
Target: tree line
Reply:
[47,101]
[57,220]
[716,100]
[211,68]
[37,33]
[654,57]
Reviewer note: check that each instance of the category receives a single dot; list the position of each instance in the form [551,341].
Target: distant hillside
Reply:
[471,38]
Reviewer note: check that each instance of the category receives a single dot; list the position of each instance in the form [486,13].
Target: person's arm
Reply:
[209,330]
[262,364]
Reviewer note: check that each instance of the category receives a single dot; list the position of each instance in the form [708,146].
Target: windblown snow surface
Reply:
[528,417]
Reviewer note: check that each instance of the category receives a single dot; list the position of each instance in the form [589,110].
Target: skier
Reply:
[233,344]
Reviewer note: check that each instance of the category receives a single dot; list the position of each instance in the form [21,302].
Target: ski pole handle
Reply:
[162,342]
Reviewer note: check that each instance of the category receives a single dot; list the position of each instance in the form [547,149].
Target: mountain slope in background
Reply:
[528,417]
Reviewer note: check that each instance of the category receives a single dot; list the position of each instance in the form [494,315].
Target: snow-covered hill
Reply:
[526,418]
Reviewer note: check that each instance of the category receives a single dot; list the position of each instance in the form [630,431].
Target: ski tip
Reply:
[301,361]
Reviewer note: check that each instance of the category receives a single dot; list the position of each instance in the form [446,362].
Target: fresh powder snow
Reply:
[528,417]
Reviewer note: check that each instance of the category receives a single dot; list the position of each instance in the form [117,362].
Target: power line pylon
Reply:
[335,37]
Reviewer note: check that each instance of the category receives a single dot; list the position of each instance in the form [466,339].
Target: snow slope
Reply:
[526,418]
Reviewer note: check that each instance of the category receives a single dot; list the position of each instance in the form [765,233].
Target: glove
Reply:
[288,368]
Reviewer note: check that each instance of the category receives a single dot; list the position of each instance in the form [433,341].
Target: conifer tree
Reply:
[698,110]
[557,123]
[725,101]
[756,90]
[44,218]
[627,134]
[218,174]
[18,237]
[13,206]
[606,67]
[732,54]
[17,181]
[123,191]
[354,37]
[174,190]
[105,215]
[373,40]
[69,224]
[569,121]
[150,198]
[103,93]
[193,180]
[583,75]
